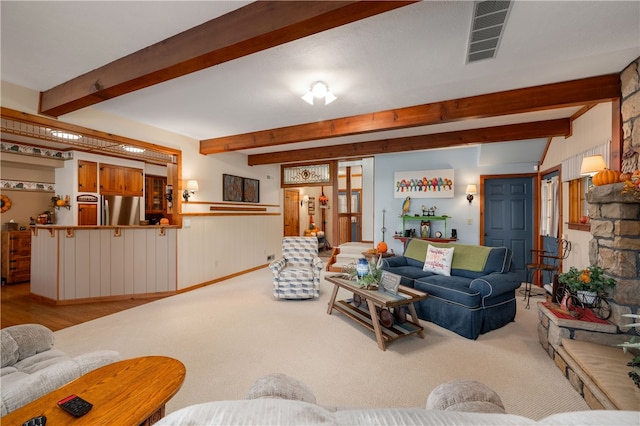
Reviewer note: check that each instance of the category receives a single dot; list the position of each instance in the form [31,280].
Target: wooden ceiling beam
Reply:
[531,99]
[250,29]
[511,132]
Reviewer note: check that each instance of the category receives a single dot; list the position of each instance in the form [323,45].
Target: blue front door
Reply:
[508,218]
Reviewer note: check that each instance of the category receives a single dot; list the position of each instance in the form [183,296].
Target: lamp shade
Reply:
[471,189]
[592,165]
[192,185]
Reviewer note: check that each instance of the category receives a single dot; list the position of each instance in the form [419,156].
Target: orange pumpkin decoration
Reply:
[382,247]
[606,177]
[625,176]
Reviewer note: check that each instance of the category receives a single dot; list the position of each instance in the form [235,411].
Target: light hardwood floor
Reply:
[17,307]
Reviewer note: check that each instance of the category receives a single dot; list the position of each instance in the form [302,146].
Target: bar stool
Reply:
[545,261]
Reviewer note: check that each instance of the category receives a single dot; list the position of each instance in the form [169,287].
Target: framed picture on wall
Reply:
[251,190]
[232,188]
[424,184]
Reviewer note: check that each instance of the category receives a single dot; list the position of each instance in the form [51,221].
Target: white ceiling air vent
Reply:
[487,27]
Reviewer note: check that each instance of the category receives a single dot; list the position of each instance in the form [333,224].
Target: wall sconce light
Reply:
[305,200]
[471,191]
[192,187]
[592,165]
[319,90]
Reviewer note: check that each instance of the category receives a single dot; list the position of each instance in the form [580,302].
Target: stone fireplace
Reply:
[615,226]
[581,348]
[584,351]
[615,246]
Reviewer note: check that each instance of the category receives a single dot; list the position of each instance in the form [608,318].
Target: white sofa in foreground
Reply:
[31,367]
[280,400]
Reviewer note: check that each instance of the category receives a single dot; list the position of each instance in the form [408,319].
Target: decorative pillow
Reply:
[438,260]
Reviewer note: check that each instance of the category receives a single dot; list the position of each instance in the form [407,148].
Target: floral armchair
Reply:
[296,275]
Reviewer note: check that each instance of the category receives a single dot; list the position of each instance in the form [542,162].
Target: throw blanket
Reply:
[468,257]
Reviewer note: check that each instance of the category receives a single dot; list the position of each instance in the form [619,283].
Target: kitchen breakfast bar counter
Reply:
[77,264]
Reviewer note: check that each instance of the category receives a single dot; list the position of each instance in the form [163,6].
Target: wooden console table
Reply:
[130,392]
[368,316]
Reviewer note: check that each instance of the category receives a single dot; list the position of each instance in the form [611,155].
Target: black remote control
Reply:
[36,421]
[75,405]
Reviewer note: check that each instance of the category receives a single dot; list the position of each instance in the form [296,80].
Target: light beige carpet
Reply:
[231,333]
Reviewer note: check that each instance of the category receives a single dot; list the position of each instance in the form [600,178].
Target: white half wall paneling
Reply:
[44,266]
[218,246]
[97,263]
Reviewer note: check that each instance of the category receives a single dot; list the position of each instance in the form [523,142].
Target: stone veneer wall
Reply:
[615,226]
[630,83]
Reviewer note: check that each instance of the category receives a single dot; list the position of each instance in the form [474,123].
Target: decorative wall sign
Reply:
[232,188]
[251,190]
[424,184]
[87,198]
[311,206]
[390,282]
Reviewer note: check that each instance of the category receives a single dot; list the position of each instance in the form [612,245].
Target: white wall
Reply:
[464,161]
[591,129]
[213,247]
[237,243]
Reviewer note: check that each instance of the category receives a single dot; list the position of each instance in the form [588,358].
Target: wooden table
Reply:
[376,256]
[130,392]
[368,316]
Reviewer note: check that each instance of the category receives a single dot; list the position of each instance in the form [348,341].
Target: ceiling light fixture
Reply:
[133,149]
[65,135]
[319,90]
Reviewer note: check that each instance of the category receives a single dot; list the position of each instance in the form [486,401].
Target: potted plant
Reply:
[633,345]
[586,283]
[371,279]
[368,280]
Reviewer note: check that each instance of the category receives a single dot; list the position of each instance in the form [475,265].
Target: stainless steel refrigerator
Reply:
[119,210]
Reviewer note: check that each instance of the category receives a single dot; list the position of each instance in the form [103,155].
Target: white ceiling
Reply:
[409,56]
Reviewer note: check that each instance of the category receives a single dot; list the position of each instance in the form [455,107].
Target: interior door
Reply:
[350,216]
[291,216]
[508,217]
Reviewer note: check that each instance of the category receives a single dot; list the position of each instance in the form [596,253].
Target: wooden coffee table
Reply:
[368,316]
[130,392]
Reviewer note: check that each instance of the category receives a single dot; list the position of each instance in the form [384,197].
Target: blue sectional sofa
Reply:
[478,297]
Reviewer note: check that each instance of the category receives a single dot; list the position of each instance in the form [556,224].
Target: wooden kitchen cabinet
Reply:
[155,201]
[111,179]
[16,256]
[87,176]
[87,214]
[133,181]
[118,180]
